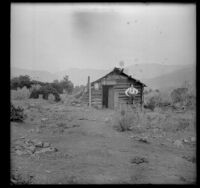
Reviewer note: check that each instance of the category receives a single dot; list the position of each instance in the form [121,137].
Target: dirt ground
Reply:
[91,151]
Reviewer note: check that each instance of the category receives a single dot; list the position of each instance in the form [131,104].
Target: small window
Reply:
[96,86]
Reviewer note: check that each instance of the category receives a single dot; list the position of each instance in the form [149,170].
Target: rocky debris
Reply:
[178,143]
[31,130]
[44,119]
[19,152]
[141,139]
[49,149]
[75,125]
[33,146]
[193,139]
[139,160]
[190,158]
[46,145]
[186,141]
[107,119]
[37,130]
[144,139]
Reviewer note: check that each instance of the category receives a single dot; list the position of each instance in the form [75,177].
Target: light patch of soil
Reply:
[91,151]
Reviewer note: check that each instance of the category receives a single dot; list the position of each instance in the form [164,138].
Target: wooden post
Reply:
[142,97]
[89,91]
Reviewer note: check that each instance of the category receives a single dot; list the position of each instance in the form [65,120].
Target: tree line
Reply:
[62,86]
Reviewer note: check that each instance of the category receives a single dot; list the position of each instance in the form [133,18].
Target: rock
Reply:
[18,147]
[143,139]
[193,139]
[185,140]
[190,158]
[18,152]
[44,119]
[178,143]
[31,130]
[138,160]
[30,152]
[32,105]
[37,143]
[107,119]
[31,148]
[38,130]
[49,149]
[46,144]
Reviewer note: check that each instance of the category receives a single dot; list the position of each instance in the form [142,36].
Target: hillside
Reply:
[171,80]
[151,74]
[147,71]
[43,76]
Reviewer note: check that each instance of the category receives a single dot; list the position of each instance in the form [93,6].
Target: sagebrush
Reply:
[17,114]
[45,91]
[20,94]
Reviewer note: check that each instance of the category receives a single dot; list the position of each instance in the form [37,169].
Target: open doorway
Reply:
[108,97]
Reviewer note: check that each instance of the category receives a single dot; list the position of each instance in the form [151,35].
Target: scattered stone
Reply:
[32,105]
[33,147]
[49,149]
[178,143]
[31,130]
[190,158]
[44,119]
[138,160]
[75,125]
[193,139]
[185,141]
[38,130]
[46,144]
[48,171]
[37,142]
[19,152]
[143,139]
[107,119]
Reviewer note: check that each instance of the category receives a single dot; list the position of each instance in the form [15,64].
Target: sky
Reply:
[56,37]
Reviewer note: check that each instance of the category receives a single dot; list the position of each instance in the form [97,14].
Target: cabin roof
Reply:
[120,72]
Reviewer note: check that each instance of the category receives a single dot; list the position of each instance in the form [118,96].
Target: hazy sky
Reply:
[56,37]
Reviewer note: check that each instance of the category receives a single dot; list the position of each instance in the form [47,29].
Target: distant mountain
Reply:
[173,79]
[138,71]
[43,76]
[80,76]
[143,71]
[149,74]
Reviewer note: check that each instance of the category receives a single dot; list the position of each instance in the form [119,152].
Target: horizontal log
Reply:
[96,99]
[96,92]
[124,87]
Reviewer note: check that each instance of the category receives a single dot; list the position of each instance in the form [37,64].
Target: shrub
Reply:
[126,119]
[51,98]
[152,102]
[17,114]
[157,99]
[21,179]
[35,87]
[20,82]
[20,94]
[45,91]
[179,95]
[184,96]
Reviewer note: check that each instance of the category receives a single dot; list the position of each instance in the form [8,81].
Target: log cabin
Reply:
[109,90]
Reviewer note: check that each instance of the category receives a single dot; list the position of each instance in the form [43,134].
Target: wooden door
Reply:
[105,96]
[111,97]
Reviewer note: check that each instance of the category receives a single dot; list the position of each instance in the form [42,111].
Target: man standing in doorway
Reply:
[131,92]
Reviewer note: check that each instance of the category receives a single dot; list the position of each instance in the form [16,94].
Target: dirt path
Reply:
[94,152]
